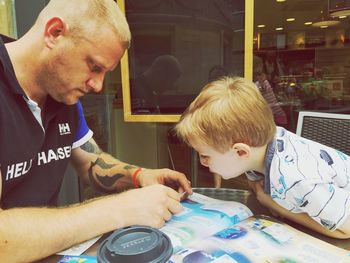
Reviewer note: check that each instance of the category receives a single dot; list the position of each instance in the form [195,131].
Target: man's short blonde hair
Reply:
[228,111]
[87,17]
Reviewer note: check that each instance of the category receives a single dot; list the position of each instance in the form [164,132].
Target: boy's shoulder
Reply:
[287,140]
[291,146]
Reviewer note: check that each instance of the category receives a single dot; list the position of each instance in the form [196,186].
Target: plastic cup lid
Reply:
[135,244]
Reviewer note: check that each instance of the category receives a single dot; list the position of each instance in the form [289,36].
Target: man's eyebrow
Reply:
[93,61]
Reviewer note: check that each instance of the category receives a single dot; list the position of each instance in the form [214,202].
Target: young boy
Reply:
[231,126]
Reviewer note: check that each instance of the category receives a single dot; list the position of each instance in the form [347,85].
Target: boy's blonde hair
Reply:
[228,111]
[88,17]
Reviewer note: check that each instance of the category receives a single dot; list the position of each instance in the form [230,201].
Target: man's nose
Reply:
[95,83]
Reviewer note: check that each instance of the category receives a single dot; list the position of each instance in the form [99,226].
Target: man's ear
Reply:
[243,150]
[54,29]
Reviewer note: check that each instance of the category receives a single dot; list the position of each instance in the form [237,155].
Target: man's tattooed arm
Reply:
[91,148]
[107,174]
[109,177]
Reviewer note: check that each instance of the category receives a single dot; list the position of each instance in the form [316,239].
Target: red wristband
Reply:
[134,177]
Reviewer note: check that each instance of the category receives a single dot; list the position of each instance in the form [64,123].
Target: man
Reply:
[42,76]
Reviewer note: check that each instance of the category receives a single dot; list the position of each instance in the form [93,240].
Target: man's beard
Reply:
[49,78]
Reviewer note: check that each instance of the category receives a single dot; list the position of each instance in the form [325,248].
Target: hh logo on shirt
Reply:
[63,128]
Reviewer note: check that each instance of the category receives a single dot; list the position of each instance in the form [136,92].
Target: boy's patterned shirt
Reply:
[305,176]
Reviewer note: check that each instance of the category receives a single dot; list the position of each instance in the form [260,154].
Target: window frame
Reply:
[125,74]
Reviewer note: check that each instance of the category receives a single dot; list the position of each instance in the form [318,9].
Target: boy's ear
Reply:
[54,29]
[243,150]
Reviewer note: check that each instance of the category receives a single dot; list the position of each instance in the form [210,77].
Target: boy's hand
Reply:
[257,187]
[264,199]
[254,185]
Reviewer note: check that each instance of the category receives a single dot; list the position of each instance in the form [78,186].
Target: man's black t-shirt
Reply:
[33,158]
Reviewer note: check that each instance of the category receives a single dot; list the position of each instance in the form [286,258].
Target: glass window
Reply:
[6,18]
[178,46]
[302,57]
[98,108]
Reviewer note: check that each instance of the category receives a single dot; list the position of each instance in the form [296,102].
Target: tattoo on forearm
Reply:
[128,167]
[108,181]
[100,162]
[91,148]
[103,182]
[93,180]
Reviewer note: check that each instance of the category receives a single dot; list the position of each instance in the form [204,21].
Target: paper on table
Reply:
[79,249]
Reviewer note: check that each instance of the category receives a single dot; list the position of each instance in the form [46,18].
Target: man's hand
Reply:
[171,178]
[151,205]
